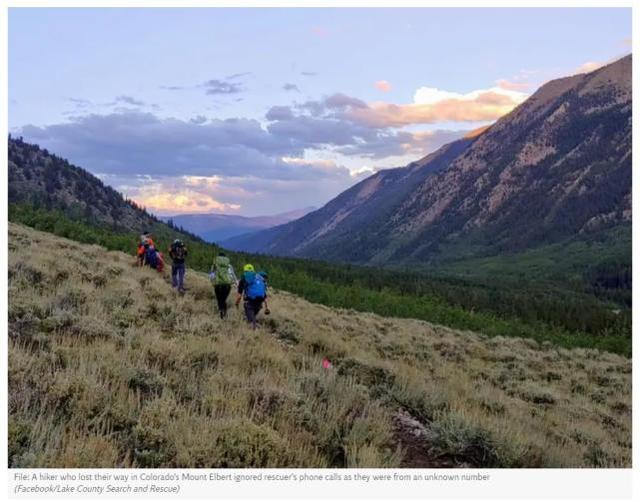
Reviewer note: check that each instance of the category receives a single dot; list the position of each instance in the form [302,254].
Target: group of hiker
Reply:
[251,287]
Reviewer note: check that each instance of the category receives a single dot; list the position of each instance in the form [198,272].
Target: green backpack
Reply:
[221,266]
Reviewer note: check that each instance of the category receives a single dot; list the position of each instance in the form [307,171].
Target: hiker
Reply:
[223,276]
[254,290]
[146,240]
[178,253]
[150,256]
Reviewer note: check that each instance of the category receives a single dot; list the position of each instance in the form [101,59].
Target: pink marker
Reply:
[326,364]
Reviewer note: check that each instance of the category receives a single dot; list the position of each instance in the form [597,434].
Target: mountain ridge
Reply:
[557,166]
[216,227]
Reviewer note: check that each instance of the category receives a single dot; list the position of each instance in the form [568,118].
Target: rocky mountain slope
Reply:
[557,166]
[366,205]
[109,368]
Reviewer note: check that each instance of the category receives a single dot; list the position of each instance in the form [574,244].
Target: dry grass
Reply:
[108,367]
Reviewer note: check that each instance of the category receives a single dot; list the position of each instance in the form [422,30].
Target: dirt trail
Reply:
[415,440]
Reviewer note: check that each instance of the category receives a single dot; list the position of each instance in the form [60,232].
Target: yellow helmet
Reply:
[249,268]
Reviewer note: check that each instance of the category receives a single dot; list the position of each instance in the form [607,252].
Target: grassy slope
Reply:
[108,368]
[491,306]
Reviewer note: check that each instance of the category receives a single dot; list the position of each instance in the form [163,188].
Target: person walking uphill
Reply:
[222,276]
[178,253]
[254,289]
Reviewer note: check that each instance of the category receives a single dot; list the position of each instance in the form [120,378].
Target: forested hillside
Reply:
[40,179]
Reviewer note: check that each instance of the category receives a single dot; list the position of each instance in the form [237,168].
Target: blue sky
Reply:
[257,111]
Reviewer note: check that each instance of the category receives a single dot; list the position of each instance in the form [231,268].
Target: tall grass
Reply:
[109,368]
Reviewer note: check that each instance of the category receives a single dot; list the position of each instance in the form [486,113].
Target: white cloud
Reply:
[433,96]
[589,66]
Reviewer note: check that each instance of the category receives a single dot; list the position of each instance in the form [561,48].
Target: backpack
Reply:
[151,258]
[256,287]
[178,253]
[221,267]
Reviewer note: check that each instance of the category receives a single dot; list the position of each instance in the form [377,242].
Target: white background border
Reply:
[521,483]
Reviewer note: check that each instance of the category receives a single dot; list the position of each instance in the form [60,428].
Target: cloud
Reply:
[137,142]
[382,85]
[326,165]
[198,119]
[327,123]
[314,132]
[290,87]
[279,113]
[432,106]
[512,85]
[177,196]
[81,103]
[589,66]
[130,101]
[433,96]
[236,76]
[341,101]
[214,87]
[133,142]
[198,165]
[183,194]
[202,164]
[402,143]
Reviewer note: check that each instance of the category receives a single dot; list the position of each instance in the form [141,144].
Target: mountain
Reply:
[558,166]
[218,227]
[41,179]
[367,203]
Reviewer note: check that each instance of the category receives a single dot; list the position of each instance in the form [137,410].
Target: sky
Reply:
[260,111]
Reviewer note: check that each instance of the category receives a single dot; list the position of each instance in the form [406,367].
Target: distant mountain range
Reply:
[218,227]
[556,167]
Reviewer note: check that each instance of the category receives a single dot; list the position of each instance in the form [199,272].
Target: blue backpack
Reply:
[256,287]
[151,258]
